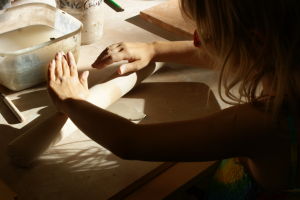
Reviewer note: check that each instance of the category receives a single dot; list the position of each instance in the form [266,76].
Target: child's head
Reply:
[254,39]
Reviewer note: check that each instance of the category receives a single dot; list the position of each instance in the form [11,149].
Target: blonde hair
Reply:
[230,30]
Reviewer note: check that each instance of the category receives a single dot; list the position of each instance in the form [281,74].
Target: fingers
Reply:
[63,55]
[131,67]
[72,64]
[116,57]
[65,66]
[84,79]
[58,68]
[51,71]
[106,55]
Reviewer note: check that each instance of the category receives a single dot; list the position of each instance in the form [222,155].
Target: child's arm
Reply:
[213,137]
[140,54]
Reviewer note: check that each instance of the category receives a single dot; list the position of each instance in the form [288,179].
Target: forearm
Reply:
[107,129]
[183,52]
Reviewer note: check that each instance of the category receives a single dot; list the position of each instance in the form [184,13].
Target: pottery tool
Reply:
[114,5]
[12,107]
[31,144]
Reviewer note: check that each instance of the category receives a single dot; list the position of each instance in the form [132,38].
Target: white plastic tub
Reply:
[4,4]
[26,67]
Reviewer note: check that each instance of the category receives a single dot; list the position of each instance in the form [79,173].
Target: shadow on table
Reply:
[156,30]
[79,168]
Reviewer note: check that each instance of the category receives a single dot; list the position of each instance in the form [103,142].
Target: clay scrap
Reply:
[126,111]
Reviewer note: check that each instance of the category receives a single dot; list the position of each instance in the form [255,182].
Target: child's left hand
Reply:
[63,81]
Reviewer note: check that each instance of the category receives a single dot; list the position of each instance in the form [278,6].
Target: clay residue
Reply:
[126,111]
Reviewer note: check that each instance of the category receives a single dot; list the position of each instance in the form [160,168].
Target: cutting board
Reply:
[168,16]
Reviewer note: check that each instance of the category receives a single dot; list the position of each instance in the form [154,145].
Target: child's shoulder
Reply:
[253,125]
[252,119]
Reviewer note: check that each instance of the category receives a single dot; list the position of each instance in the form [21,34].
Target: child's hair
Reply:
[252,39]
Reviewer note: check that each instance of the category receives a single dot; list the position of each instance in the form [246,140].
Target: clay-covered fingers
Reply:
[72,64]
[112,58]
[137,54]
[65,66]
[108,56]
[113,48]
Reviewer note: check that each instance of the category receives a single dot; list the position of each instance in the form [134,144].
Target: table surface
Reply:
[75,166]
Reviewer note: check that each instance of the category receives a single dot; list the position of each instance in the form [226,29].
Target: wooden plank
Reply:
[5,192]
[172,179]
[168,16]
[131,188]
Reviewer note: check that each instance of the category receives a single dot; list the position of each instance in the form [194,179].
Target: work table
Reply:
[75,168]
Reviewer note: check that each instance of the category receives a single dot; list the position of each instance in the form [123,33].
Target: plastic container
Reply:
[4,4]
[90,13]
[27,67]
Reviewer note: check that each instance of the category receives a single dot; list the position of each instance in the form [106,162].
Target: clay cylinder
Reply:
[90,13]
[33,143]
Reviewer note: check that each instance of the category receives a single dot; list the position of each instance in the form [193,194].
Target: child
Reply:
[251,43]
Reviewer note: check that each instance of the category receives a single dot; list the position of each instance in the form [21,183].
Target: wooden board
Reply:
[168,16]
[5,192]
[176,179]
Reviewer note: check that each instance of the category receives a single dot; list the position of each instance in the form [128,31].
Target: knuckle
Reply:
[114,57]
[126,51]
[124,45]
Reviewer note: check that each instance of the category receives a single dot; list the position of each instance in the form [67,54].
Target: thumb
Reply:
[130,67]
[83,79]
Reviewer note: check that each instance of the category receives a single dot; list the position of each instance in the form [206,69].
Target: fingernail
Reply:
[53,62]
[121,70]
[86,74]
[58,55]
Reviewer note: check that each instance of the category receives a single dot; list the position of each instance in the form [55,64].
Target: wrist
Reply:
[65,105]
[154,50]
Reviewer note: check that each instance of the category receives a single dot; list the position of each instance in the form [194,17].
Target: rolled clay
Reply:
[33,143]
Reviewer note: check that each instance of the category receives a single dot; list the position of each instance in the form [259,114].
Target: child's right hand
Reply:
[138,55]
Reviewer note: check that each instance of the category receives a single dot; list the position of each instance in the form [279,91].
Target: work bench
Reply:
[79,168]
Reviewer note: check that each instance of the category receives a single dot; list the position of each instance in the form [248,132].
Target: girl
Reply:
[251,43]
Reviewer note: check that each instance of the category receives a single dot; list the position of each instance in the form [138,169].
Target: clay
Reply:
[30,145]
[126,111]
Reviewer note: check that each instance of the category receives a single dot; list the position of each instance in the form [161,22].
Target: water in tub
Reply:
[26,37]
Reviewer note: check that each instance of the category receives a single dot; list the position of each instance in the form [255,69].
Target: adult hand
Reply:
[138,55]
[63,81]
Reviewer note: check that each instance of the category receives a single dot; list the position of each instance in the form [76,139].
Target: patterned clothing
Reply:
[233,183]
